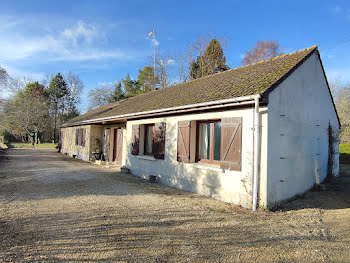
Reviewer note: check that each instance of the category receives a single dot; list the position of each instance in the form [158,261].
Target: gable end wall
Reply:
[299,112]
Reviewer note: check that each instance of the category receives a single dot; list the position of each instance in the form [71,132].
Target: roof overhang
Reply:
[233,102]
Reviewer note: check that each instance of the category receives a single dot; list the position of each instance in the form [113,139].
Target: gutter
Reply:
[256,147]
[205,105]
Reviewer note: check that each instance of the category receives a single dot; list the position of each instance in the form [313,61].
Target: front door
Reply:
[118,146]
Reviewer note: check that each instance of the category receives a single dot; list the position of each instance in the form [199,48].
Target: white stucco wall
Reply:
[299,112]
[229,186]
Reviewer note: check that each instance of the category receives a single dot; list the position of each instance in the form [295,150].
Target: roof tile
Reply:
[251,79]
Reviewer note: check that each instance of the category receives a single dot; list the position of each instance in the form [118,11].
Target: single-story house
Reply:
[253,136]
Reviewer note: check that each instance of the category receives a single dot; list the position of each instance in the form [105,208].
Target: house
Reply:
[253,136]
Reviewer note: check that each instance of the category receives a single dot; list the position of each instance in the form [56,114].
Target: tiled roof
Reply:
[251,79]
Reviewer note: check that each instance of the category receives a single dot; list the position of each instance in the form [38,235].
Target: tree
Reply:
[342,103]
[164,69]
[74,89]
[27,113]
[263,50]
[131,87]
[57,92]
[99,96]
[211,62]
[118,92]
[4,85]
[147,79]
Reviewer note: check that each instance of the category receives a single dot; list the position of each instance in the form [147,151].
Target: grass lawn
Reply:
[29,145]
[344,150]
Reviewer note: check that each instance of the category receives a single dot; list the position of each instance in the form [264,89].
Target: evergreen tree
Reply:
[212,61]
[57,92]
[147,79]
[118,93]
[131,87]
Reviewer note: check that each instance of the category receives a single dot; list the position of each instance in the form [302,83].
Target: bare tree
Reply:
[342,103]
[100,96]
[75,87]
[263,50]
[164,69]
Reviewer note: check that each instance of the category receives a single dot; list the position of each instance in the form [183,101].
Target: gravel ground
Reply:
[53,208]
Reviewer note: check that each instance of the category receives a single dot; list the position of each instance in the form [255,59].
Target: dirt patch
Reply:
[54,208]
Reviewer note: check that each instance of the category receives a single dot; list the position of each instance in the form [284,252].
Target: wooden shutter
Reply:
[183,141]
[77,137]
[231,143]
[119,145]
[159,140]
[135,140]
[83,137]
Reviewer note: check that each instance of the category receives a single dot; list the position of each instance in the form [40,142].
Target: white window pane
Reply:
[204,140]
[217,140]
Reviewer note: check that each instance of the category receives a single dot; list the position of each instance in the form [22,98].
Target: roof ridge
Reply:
[269,59]
[217,73]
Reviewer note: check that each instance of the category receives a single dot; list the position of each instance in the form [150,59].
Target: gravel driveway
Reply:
[53,208]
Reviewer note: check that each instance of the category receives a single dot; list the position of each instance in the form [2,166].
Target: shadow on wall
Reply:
[186,178]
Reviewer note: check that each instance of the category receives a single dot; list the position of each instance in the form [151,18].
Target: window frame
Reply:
[145,143]
[211,145]
[80,137]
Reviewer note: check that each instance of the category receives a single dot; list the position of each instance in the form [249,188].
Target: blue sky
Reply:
[102,41]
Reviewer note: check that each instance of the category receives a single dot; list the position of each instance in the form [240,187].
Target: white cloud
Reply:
[107,83]
[15,72]
[170,61]
[79,42]
[155,42]
[82,31]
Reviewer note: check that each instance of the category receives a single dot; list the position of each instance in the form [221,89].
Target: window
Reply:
[80,137]
[149,138]
[209,141]
[217,142]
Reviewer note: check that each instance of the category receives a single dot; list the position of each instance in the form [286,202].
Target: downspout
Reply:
[256,147]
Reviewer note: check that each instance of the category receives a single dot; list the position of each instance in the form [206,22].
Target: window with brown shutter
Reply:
[159,140]
[208,141]
[183,141]
[80,135]
[83,137]
[77,137]
[135,141]
[149,137]
[231,143]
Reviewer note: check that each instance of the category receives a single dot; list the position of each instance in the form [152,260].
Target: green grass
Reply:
[344,150]
[29,145]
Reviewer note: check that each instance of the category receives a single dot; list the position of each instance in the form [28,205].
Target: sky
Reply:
[102,41]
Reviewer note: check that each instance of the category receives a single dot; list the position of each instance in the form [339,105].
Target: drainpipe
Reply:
[256,152]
